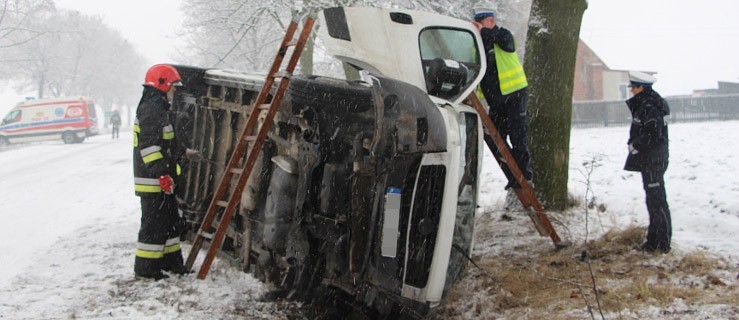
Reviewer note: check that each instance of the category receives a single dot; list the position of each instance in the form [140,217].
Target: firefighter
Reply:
[648,154]
[155,171]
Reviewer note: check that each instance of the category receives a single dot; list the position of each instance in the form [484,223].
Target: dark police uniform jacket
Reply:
[648,133]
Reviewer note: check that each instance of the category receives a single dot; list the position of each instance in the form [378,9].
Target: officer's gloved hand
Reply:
[167,184]
[632,150]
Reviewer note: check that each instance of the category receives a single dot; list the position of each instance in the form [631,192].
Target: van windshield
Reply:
[451,60]
[13,116]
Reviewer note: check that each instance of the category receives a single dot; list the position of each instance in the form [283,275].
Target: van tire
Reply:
[4,142]
[330,94]
[69,137]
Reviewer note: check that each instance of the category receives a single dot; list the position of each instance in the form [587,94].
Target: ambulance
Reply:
[70,119]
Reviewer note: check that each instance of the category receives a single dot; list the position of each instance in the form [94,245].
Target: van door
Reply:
[91,123]
[10,124]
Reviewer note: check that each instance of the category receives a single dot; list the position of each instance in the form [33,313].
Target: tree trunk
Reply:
[41,85]
[551,48]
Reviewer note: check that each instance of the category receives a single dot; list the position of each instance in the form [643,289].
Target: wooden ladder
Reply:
[226,200]
[525,194]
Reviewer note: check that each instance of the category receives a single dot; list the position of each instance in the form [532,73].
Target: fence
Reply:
[587,114]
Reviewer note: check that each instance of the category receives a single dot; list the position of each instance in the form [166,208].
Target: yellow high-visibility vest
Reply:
[510,71]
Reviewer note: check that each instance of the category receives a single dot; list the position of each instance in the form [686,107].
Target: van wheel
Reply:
[4,142]
[69,137]
[328,93]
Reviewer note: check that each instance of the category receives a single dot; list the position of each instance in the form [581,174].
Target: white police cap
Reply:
[638,78]
[483,12]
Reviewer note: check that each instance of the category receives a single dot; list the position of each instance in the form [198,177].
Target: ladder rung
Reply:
[236,170]
[291,43]
[222,203]
[206,235]
[283,74]
[250,138]
[264,106]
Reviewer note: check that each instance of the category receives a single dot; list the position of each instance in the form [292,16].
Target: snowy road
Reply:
[70,220]
[51,189]
[67,249]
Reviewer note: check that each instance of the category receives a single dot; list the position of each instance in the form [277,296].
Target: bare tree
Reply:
[16,19]
[18,26]
[75,54]
[244,34]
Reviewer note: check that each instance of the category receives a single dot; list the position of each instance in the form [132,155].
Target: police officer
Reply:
[504,86]
[155,167]
[648,154]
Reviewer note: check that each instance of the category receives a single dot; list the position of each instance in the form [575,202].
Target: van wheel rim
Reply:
[68,138]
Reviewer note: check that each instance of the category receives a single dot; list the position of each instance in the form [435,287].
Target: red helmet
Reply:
[162,77]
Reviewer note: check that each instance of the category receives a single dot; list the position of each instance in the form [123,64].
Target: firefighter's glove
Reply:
[166,183]
[632,150]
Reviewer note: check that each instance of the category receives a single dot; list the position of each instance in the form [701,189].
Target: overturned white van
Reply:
[366,190]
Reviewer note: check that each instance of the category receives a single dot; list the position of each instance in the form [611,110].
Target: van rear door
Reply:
[92,119]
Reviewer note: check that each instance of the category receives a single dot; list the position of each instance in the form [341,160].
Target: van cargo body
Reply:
[70,119]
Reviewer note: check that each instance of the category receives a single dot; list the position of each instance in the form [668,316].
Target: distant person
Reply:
[504,86]
[155,170]
[115,124]
[648,154]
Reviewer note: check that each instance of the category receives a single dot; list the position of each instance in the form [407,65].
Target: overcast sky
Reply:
[691,44]
[151,25]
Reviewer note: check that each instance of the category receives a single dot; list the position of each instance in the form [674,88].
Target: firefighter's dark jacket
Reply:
[153,143]
[648,133]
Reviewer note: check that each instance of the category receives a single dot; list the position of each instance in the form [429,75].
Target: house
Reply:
[594,81]
[724,87]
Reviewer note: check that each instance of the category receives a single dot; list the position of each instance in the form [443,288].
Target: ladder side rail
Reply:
[525,191]
[269,81]
[223,185]
[252,157]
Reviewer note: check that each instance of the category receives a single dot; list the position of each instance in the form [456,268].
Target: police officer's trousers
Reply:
[659,234]
[509,115]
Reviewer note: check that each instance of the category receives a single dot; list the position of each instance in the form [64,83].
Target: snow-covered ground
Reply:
[70,221]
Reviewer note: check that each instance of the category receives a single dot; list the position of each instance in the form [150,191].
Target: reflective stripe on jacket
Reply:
[510,71]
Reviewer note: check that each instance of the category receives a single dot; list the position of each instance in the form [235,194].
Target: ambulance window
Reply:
[13,116]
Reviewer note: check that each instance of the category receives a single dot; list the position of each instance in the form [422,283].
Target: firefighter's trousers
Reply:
[158,247]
